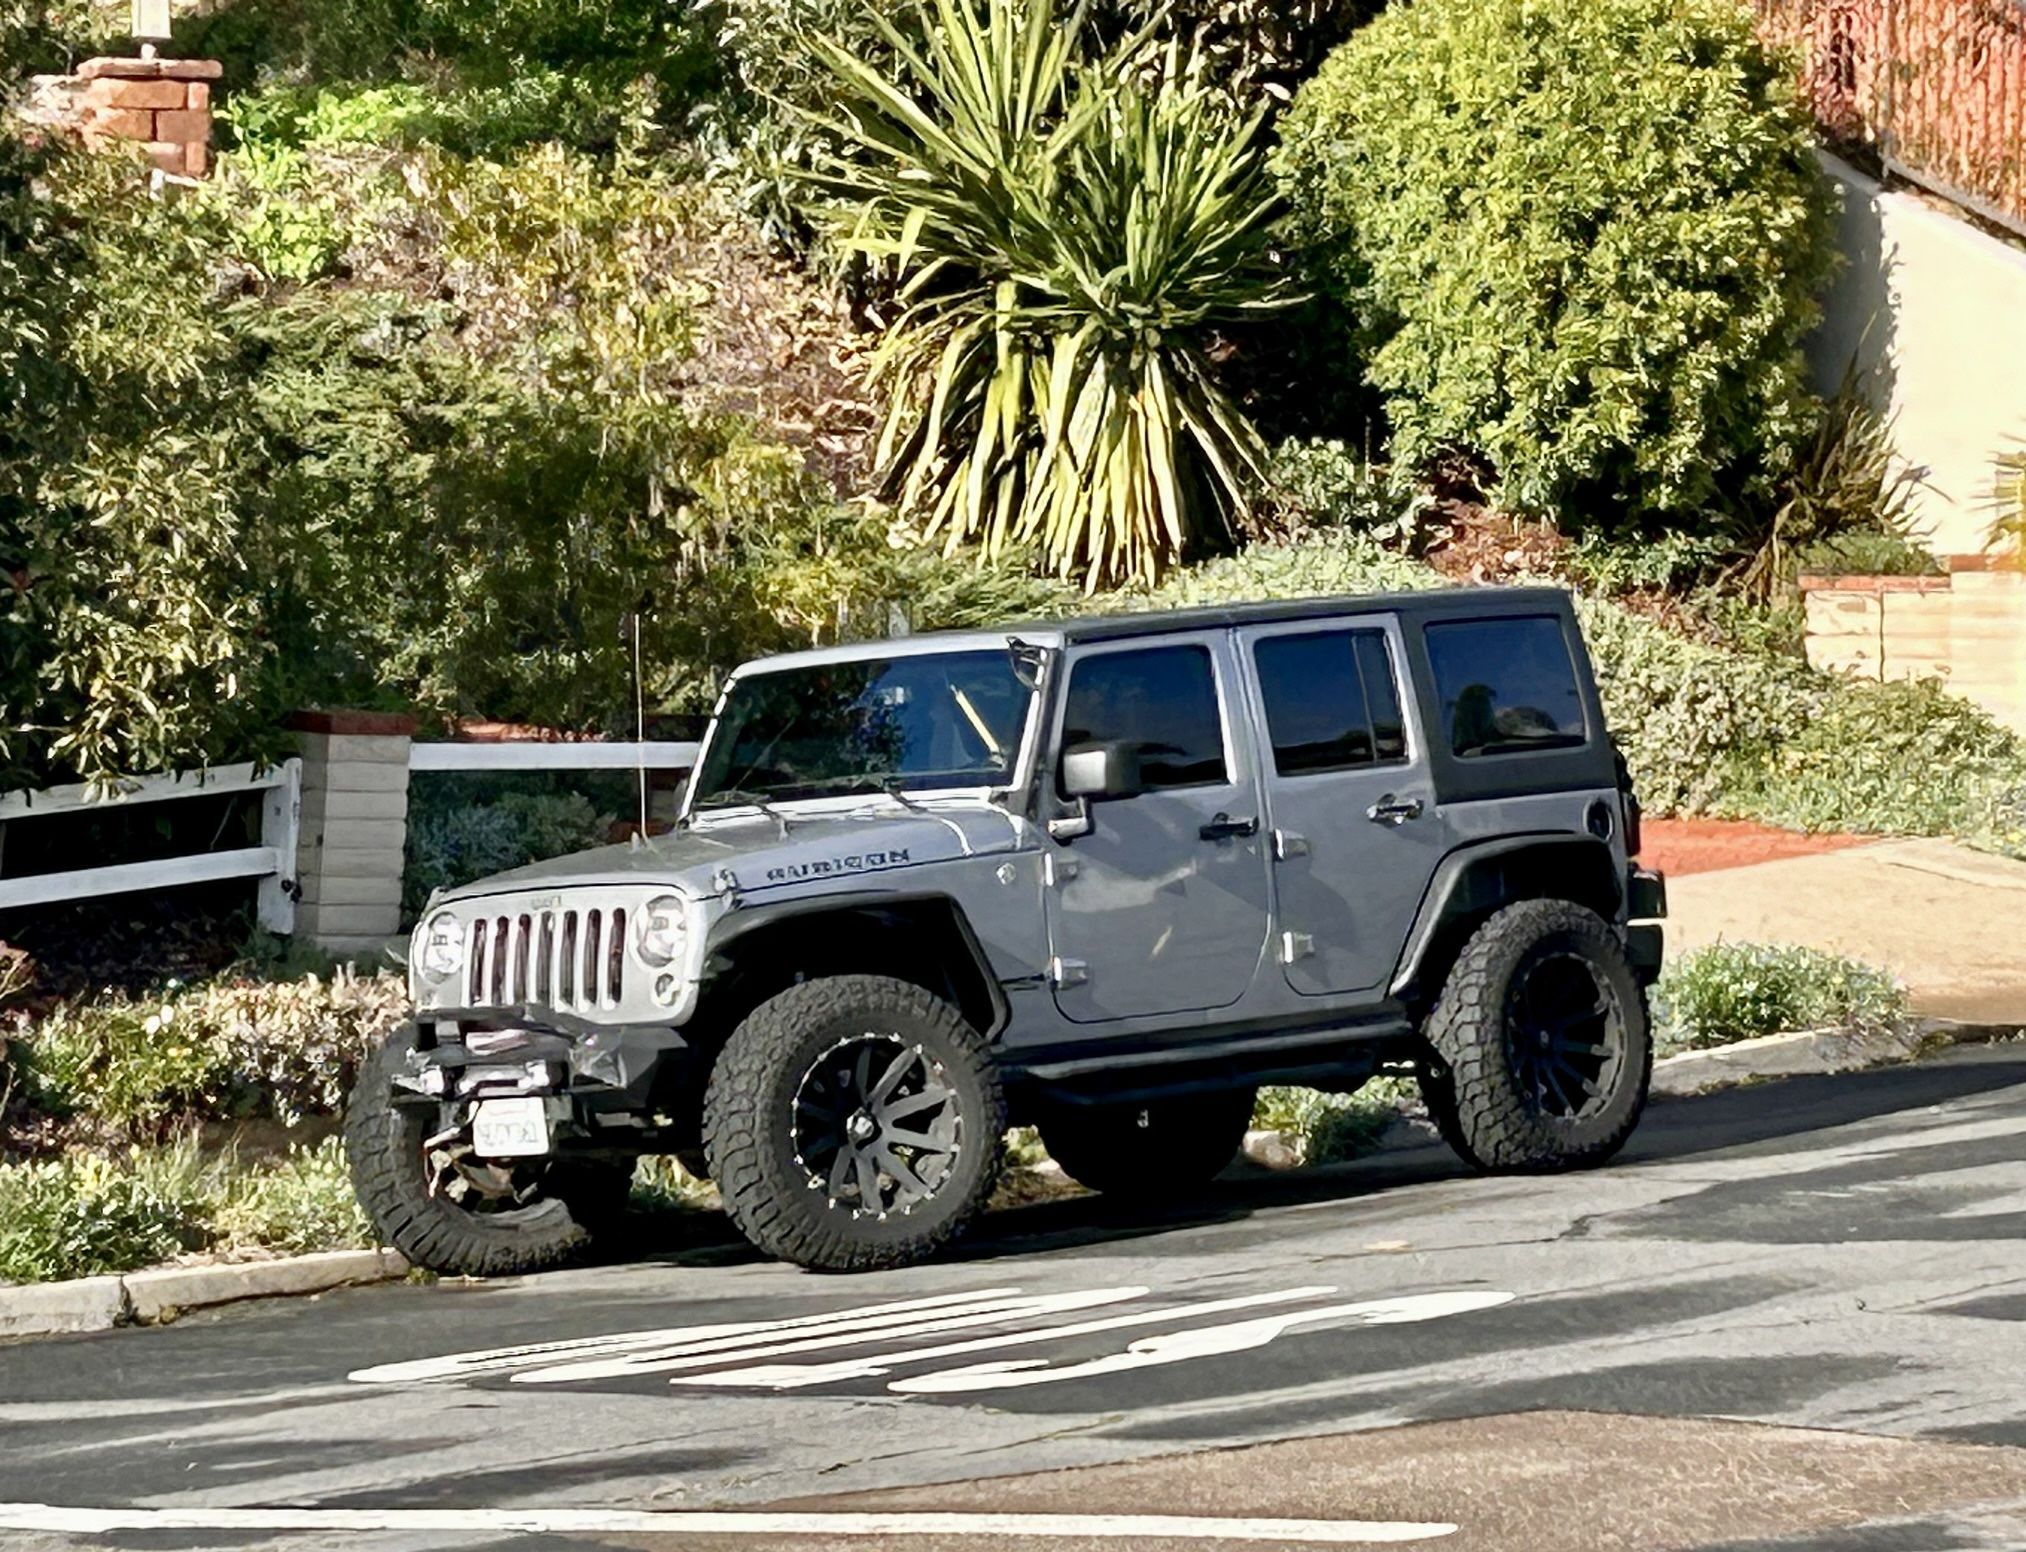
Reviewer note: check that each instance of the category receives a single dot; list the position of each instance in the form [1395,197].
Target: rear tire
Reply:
[391,1173]
[1146,1152]
[854,1122]
[1542,1041]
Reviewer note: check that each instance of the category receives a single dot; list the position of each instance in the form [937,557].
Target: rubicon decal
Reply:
[857,862]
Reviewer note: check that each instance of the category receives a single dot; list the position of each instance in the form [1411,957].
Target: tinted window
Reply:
[949,719]
[1330,701]
[1507,686]
[1164,700]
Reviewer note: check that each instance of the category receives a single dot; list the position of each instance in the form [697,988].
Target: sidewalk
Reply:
[1948,921]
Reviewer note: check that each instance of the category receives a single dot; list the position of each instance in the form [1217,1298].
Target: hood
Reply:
[757,856]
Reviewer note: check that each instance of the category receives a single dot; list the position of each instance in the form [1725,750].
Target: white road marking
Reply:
[788,1376]
[726,1355]
[1181,1346]
[1043,1529]
[692,1355]
[500,1360]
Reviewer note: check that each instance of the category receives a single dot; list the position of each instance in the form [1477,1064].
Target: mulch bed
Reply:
[1682,846]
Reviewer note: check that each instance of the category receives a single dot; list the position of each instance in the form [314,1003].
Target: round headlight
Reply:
[439,950]
[660,932]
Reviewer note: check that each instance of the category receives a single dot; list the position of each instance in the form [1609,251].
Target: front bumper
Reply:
[610,1068]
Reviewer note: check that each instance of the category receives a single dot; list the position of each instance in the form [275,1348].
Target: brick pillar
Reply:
[354,827]
[163,103]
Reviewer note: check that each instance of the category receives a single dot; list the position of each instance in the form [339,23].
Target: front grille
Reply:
[573,959]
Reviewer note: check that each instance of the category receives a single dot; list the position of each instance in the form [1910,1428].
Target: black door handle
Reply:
[1392,810]
[1224,826]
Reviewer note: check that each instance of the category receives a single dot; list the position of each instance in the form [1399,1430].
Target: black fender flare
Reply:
[1472,881]
[744,921]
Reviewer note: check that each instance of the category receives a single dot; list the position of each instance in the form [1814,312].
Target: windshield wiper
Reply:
[739,797]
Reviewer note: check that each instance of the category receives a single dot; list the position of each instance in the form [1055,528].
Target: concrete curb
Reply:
[1812,1052]
[163,1293]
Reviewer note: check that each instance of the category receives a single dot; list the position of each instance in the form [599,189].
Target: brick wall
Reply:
[162,104]
[1968,628]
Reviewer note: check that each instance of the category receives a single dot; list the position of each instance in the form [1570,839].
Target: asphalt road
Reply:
[1392,1349]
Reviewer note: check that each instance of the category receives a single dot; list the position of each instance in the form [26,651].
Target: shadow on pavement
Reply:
[1759,1117]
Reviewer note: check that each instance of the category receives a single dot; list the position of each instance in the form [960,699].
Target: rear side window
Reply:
[1507,686]
[1331,701]
[1162,699]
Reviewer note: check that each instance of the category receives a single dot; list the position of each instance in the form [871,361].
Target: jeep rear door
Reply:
[1354,834]
[1161,908]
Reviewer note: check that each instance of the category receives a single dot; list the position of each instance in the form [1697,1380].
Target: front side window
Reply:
[1163,700]
[949,719]
[1508,686]
[1331,701]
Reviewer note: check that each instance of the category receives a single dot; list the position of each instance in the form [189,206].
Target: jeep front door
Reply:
[1354,833]
[1161,908]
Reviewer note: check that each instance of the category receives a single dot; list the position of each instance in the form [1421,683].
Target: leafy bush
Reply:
[1582,238]
[1740,991]
[230,1048]
[1321,483]
[300,1203]
[452,846]
[83,1215]
[1329,1128]
[1063,234]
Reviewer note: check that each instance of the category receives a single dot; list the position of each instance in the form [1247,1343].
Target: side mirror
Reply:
[1101,772]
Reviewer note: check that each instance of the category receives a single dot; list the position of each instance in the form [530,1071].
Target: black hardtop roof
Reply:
[1441,601]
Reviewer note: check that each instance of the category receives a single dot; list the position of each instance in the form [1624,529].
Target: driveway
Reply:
[1791,1315]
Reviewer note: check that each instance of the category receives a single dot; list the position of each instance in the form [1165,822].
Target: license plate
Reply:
[509,1128]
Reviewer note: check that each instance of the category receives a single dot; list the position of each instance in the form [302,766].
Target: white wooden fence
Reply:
[650,756]
[346,853]
[273,861]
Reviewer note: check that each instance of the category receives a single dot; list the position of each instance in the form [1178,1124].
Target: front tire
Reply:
[1543,1051]
[1145,1152]
[432,1205]
[853,1123]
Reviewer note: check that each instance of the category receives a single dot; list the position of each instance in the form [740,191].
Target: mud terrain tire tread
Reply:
[383,1147]
[755,1176]
[1482,1113]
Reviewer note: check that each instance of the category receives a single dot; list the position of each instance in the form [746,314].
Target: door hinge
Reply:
[1058,869]
[1068,972]
[1295,945]
[1287,844]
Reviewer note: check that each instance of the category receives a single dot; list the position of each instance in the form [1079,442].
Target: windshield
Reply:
[949,719]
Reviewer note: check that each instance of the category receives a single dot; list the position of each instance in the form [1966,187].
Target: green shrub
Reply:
[83,1215]
[227,1049]
[1320,483]
[1064,234]
[1740,991]
[453,846]
[1582,237]
[297,1204]
[1329,1128]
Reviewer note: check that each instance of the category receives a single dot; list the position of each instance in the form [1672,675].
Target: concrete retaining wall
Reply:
[1968,628]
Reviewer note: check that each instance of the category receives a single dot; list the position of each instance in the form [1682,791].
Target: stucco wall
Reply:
[1940,306]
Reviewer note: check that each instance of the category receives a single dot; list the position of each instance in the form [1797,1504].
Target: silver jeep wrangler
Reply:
[1105,877]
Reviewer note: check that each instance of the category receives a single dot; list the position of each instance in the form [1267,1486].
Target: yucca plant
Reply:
[2008,500]
[1064,235]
